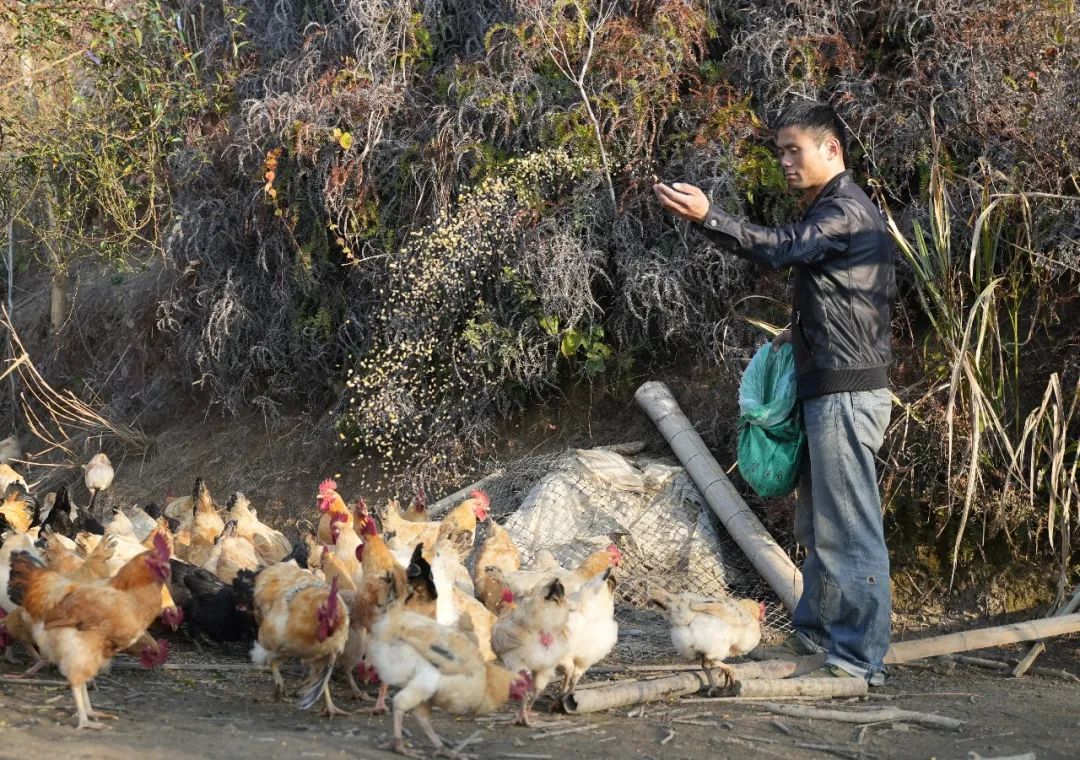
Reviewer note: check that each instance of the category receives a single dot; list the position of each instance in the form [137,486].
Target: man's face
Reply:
[807,164]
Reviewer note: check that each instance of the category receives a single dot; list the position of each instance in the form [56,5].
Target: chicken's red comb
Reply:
[481,497]
[507,595]
[148,658]
[327,485]
[616,555]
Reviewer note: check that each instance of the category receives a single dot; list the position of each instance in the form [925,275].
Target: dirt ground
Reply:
[200,713]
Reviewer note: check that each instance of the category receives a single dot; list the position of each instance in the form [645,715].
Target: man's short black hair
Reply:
[819,119]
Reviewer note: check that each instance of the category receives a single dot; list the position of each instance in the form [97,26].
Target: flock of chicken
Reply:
[389,600]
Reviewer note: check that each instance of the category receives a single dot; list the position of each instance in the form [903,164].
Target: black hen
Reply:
[420,578]
[211,606]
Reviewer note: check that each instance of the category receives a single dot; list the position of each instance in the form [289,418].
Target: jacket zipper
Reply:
[802,333]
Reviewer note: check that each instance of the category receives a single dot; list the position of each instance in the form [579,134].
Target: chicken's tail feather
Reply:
[259,655]
[23,566]
[308,699]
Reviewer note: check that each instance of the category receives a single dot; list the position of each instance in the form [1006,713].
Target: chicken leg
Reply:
[91,712]
[330,710]
[33,669]
[729,675]
[571,676]
[423,717]
[523,714]
[279,682]
[379,708]
[399,738]
[82,702]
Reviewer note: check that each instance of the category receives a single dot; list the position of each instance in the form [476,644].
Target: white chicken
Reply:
[711,629]
[590,628]
[271,545]
[231,554]
[434,664]
[533,636]
[10,449]
[98,476]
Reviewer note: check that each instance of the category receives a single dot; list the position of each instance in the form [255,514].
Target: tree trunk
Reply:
[58,297]
[60,284]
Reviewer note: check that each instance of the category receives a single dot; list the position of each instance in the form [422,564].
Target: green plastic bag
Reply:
[771,434]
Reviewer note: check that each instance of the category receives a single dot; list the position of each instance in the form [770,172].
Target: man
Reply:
[842,290]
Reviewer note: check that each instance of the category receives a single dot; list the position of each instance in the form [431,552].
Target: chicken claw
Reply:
[729,675]
[330,710]
[83,710]
[399,747]
[91,724]
[454,754]
[379,708]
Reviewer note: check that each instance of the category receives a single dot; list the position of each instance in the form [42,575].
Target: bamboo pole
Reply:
[452,500]
[906,651]
[632,692]
[802,687]
[625,693]
[766,555]
[1037,648]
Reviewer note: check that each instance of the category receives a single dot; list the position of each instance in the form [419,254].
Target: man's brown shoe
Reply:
[791,647]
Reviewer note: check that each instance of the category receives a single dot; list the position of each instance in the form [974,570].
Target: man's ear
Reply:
[833,149]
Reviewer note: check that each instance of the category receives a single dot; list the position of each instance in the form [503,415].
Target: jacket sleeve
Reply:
[822,235]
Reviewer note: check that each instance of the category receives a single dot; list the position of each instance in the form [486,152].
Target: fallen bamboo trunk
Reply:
[452,500]
[1028,659]
[632,692]
[784,668]
[802,687]
[625,693]
[966,641]
[741,524]
[864,716]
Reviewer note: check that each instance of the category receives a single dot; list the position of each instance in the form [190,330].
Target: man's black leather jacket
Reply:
[843,288]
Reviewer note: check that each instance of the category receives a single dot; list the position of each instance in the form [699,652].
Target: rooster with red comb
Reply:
[334,510]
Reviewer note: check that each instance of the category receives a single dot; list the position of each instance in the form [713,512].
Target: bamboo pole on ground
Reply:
[766,555]
[906,651]
[1037,648]
[802,687]
[632,692]
[452,500]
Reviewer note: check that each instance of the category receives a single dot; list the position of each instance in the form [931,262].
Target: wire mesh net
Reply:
[579,501]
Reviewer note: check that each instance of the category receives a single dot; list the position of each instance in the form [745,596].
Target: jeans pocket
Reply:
[872,411]
[830,599]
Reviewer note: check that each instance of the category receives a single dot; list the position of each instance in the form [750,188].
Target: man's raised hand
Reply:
[682,200]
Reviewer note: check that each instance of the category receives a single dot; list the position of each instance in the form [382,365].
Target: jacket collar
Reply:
[830,188]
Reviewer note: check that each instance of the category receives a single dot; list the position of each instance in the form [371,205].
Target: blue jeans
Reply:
[846,601]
